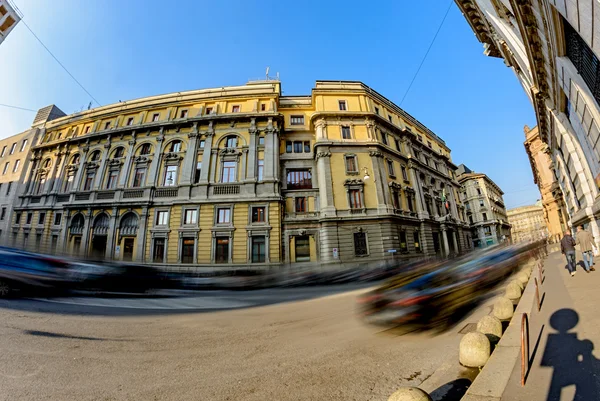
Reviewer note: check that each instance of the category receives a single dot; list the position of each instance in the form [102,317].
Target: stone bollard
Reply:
[490,326]
[410,394]
[513,290]
[474,350]
[521,285]
[522,277]
[503,309]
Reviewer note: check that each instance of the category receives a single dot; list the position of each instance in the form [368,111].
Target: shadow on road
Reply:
[452,391]
[572,359]
[59,335]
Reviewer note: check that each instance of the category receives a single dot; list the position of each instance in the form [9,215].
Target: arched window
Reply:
[175,146]
[75,159]
[77,224]
[119,152]
[95,156]
[231,141]
[47,163]
[129,225]
[101,224]
[145,149]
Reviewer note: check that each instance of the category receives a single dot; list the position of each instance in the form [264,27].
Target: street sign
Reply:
[392,251]
[335,253]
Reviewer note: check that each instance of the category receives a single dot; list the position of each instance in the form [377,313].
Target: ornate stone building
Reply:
[484,207]
[528,223]
[9,18]
[543,175]
[243,176]
[553,48]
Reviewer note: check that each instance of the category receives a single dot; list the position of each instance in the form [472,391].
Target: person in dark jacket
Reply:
[567,248]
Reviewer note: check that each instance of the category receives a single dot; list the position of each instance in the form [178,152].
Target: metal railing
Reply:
[165,193]
[226,190]
[133,193]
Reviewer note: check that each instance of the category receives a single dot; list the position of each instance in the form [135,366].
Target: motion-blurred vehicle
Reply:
[29,272]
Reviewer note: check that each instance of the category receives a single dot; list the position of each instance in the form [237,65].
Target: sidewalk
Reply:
[564,337]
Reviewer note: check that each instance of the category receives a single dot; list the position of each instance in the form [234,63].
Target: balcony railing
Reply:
[105,195]
[82,197]
[63,198]
[226,190]
[165,193]
[302,215]
[133,193]
[35,199]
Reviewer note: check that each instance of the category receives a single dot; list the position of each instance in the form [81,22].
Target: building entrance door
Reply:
[99,246]
[128,249]
[436,243]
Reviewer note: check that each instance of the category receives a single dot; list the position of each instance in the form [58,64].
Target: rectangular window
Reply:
[111,183]
[57,218]
[228,173]
[201,145]
[417,240]
[158,254]
[138,178]
[288,147]
[481,204]
[130,121]
[384,138]
[223,216]
[3,151]
[360,244]
[342,105]
[170,176]
[162,218]
[396,199]
[16,167]
[191,216]
[235,109]
[12,148]
[155,117]
[209,111]
[3,213]
[398,148]
[346,132]
[29,218]
[484,215]
[87,130]
[40,185]
[8,187]
[302,247]
[198,172]
[18,218]
[187,250]
[420,137]
[377,110]
[23,144]
[183,114]
[478,191]
[5,168]
[261,168]
[258,214]
[409,202]
[297,147]
[403,245]
[306,146]
[261,141]
[429,144]
[41,218]
[297,120]
[404,174]
[263,107]
[583,58]
[300,205]
[390,166]
[89,180]
[355,199]
[222,250]
[107,125]
[299,179]
[351,165]
[258,249]
[390,118]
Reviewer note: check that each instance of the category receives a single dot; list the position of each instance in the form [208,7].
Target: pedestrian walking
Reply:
[567,248]
[585,240]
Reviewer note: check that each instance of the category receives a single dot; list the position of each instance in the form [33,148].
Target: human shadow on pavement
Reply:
[452,391]
[572,359]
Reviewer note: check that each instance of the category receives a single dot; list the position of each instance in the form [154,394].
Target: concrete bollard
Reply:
[490,326]
[513,290]
[503,309]
[474,350]
[410,394]
[521,285]
[522,277]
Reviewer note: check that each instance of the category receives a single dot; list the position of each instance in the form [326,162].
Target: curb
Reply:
[490,383]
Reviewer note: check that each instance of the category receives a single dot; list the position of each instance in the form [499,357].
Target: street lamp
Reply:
[367,176]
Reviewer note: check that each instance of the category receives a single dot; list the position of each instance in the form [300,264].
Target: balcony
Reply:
[82,196]
[166,192]
[226,190]
[62,198]
[35,199]
[133,193]
[105,195]
[301,216]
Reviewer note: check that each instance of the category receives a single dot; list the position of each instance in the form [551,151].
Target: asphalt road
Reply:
[306,345]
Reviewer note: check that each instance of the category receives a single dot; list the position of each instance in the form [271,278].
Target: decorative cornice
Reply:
[172,156]
[375,153]
[322,154]
[354,181]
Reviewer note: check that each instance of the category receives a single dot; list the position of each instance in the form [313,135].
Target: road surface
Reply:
[311,347]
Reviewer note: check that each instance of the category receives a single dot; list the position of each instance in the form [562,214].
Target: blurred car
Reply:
[25,271]
[117,277]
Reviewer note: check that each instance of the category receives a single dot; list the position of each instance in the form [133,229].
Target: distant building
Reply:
[528,223]
[484,207]
[543,175]
[8,19]
[15,157]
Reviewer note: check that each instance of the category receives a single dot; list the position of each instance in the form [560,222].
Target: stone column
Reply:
[85,237]
[271,152]
[454,234]
[60,173]
[51,176]
[64,231]
[80,169]
[382,190]
[445,238]
[251,171]
[110,239]
[207,157]
[126,169]
[243,165]
[101,171]
[321,130]
[156,159]
[418,187]
[325,184]
[141,236]
[190,157]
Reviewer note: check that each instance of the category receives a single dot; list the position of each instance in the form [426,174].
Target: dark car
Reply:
[117,277]
[26,271]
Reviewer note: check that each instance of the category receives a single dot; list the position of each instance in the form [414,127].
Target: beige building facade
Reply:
[484,207]
[553,49]
[9,18]
[544,176]
[528,223]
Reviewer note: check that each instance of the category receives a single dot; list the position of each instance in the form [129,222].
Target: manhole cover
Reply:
[468,328]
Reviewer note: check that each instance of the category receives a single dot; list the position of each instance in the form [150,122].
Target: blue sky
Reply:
[125,49]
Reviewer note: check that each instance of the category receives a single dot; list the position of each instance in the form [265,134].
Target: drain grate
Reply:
[468,328]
